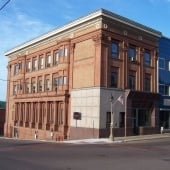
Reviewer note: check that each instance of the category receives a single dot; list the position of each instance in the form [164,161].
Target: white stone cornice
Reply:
[86,20]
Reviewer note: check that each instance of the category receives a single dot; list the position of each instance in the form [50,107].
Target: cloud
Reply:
[16,28]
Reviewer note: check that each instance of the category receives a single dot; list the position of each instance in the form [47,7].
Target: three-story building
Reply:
[60,84]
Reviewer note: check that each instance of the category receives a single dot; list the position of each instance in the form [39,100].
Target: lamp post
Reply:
[111,137]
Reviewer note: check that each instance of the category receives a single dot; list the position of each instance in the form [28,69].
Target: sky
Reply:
[22,20]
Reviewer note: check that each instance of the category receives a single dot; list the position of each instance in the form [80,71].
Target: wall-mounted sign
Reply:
[77,115]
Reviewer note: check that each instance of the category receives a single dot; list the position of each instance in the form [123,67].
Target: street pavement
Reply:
[89,154]
[104,140]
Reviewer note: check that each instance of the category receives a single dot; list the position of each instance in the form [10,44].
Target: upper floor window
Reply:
[41,62]
[56,58]
[147,58]
[14,89]
[34,64]
[114,77]
[167,90]
[64,80]
[114,49]
[147,83]
[48,60]
[47,85]
[63,52]
[132,53]
[168,65]
[16,69]
[33,86]
[40,85]
[132,80]
[27,87]
[28,66]
[162,63]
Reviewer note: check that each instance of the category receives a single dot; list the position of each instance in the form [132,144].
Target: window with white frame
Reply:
[28,66]
[34,64]
[33,87]
[15,89]
[47,84]
[41,62]
[64,80]
[40,86]
[27,87]
[56,58]
[48,60]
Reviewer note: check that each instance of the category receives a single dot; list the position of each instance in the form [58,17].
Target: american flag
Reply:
[120,99]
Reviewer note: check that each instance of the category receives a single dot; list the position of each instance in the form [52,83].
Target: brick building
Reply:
[61,82]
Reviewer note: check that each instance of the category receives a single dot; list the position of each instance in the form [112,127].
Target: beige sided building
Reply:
[71,72]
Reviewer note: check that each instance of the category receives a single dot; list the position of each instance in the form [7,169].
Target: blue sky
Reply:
[21,20]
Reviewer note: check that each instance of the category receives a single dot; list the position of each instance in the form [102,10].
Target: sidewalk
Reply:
[118,139]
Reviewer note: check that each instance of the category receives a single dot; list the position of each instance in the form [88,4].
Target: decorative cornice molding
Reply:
[85,21]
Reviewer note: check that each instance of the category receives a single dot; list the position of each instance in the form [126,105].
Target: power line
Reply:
[3,6]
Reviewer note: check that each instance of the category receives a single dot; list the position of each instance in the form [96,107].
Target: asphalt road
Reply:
[34,155]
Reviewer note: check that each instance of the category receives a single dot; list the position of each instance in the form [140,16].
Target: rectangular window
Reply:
[64,80]
[108,119]
[47,84]
[147,82]
[55,83]
[132,53]
[168,65]
[147,58]
[28,66]
[132,80]
[161,89]
[167,90]
[41,63]
[114,49]
[33,87]
[27,87]
[34,64]
[40,86]
[144,117]
[56,58]
[114,77]
[48,61]
[60,81]
[122,119]
[161,63]
[15,89]
[16,69]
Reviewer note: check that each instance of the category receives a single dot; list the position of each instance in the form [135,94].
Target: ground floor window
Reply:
[122,119]
[108,119]
[144,117]
[165,119]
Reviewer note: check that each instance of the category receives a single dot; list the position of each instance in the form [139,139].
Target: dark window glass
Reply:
[132,81]
[147,58]
[114,49]
[162,63]
[147,83]
[132,53]
[114,79]
[108,119]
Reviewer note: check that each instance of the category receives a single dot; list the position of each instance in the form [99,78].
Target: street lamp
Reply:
[111,137]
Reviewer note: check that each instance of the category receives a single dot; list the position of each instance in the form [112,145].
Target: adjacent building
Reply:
[65,83]
[2,117]
[164,81]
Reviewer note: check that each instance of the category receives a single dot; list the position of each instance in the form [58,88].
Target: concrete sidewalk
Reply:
[118,139]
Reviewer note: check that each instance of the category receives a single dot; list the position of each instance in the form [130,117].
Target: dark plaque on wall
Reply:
[77,115]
